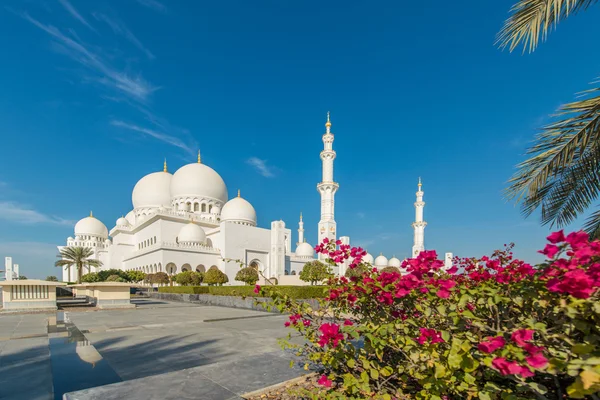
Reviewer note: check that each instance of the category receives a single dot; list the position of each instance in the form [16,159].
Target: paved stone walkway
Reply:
[161,350]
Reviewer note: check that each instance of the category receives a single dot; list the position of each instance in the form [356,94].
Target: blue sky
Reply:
[94,95]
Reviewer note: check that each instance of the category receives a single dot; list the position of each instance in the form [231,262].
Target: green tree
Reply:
[78,257]
[90,278]
[561,175]
[160,278]
[22,278]
[315,272]
[248,275]
[51,278]
[135,276]
[187,278]
[214,276]
[115,278]
[390,269]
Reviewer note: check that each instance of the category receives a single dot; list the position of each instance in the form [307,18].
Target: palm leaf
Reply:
[532,20]
[562,175]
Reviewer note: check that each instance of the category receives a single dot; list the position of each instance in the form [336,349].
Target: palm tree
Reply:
[562,174]
[79,257]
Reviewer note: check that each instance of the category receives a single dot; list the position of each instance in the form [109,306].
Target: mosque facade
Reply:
[186,222]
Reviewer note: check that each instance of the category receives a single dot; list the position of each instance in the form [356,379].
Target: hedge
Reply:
[295,292]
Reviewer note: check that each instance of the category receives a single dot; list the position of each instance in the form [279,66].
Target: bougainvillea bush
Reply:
[488,328]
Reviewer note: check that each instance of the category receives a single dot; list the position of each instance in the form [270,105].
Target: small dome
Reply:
[192,233]
[394,262]
[153,190]
[69,238]
[381,261]
[239,210]
[368,259]
[198,180]
[123,223]
[305,250]
[90,226]
[88,353]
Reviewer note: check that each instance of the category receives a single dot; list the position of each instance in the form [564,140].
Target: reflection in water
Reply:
[76,364]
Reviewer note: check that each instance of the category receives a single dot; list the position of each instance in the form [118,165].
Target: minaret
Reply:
[300,231]
[419,225]
[327,188]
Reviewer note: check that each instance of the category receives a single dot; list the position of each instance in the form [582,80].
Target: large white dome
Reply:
[153,190]
[91,226]
[198,180]
[192,234]
[239,210]
[305,250]
[368,259]
[381,261]
[394,262]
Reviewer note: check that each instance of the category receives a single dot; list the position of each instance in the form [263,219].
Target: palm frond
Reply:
[592,225]
[562,175]
[532,20]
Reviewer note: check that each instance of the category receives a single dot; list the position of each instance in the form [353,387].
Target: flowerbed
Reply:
[488,328]
[294,292]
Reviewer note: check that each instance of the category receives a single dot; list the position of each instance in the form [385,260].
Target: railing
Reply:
[29,292]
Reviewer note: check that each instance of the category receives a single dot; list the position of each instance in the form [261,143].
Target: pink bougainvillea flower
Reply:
[443,293]
[429,335]
[287,324]
[506,367]
[577,283]
[537,360]
[257,289]
[470,306]
[492,344]
[525,372]
[453,270]
[550,250]
[324,381]
[577,239]
[522,336]
[531,349]
[352,298]
[330,334]
[306,322]
[348,323]
[556,237]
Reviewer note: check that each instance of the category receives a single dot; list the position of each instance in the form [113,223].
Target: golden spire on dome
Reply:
[420,184]
[328,123]
[300,215]
[91,214]
[239,193]
[199,158]
[165,166]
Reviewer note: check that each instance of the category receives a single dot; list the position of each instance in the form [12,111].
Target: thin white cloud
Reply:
[13,212]
[261,166]
[360,215]
[153,4]
[119,28]
[164,137]
[134,87]
[69,7]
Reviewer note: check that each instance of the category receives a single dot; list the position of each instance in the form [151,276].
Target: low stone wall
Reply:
[221,301]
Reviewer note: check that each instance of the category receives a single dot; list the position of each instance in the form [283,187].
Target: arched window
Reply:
[293,272]
[203,207]
[286,272]
[186,267]
[254,265]
[196,207]
[210,208]
[200,268]
[189,206]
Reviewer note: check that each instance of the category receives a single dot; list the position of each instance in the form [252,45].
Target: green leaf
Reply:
[470,379]
[374,374]
[351,363]
[582,348]
[484,396]
[441,309]
[440,371]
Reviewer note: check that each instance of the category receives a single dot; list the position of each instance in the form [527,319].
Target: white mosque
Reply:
[185,222]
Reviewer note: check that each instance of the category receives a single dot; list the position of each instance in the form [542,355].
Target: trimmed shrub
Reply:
[188,278]
[247,275]
[294,292]
[315,272]
[115,278]
[390,270]
[160,278]
[90,278]
[51,278]
[184,289]
[214,276]
[135,276]
[356,272]
[105,274]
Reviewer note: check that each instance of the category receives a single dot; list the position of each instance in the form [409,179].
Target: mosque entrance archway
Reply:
[255,264]
[186,267]
[171,269]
